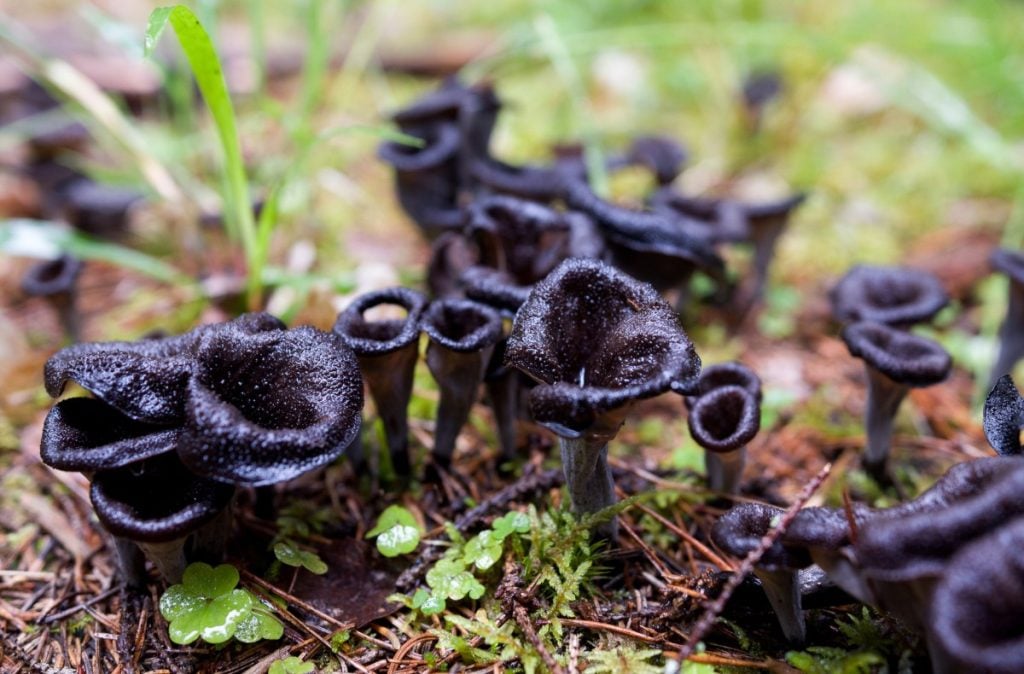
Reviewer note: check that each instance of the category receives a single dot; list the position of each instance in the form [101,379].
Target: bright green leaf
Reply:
[260,624]
[397,532]
[210,582]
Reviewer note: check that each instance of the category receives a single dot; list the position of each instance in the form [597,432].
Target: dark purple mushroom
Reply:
[723,421]
[97,209]
[597,341]
[265,407]
[157,504]
[651,246]
[1011,332]
[462,336]
[895,362]
[975,613]
[1004,417]
[387,351]
[730,373]
[662,156]
[716,220]
[896,296]
[759,89]
[57,281]
[738,532]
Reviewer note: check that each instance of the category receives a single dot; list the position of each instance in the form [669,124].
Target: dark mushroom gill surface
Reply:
[902,357]
[725,419]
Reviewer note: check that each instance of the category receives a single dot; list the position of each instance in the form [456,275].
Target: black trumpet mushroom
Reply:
[1011,332]
[1004,417]
[265,407]
[731,373]
[462,335]
[157,504]
[723,421]
[663,157]
[896,296]
[57,281]
[596,341]
[895,362]
[738,532]
[976,607]
[387,350]
[99,209]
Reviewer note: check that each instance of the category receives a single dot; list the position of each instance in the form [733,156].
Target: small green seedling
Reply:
[397,532]
[208,605]
[290,665]
[287,552]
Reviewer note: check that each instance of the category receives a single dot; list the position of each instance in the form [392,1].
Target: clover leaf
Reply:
[450,579]
[483,550]
[397,532]
[290,665]
[509,523]
[427,603]
[207,605]
[287,552]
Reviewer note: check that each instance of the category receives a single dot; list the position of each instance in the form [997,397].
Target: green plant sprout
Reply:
[208,605]
[288,552]
[290,665]
[397,532]
[299,521]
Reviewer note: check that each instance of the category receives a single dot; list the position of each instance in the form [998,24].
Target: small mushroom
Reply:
[462,336]
[1004,417]
[387,351]
[896,296]
[759,89]
[265,407]
[974,622]
[597,341]
[730,373]
[57,281]
[738,532]
[157,504]
[895,362]
[723,421]
[1011,332]
[98,209]
[662,156]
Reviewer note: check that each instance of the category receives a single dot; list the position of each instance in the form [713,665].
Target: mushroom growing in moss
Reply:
[462,336]
[723,421]
[895,362]
[597,341]
[387,351]
[896,296]
[57,281]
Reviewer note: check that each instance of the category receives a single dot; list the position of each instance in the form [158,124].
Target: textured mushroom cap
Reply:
[717,220]
[446,103]
[597,339]
[977,605]
[902,357]
[494,288]
[441,145]
[52,277]
[86,434]
[662,156]
[731,373]
[462,325]
[156,500]
[918,542]
[267,407]
[725,419]
[1009,262]
[824,528]
[1003,417]
[144,380]
[528,181]
[642,232]
[892,295]
[376,338]
[524,238]
[741,529]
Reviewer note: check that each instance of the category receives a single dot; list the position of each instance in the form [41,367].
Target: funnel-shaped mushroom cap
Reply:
[521,237]
[916,542]
[377,338]
[902,357]
[86,434]
[144,380]
[725,419]
[1009,262]
[529,181]
[52,277]
[731,373]
[494,288]
[157,500]
[891,295]
[427,178]
[462,325]
[978,603]
[1004,416]
[597,339]
[475,108]
[740,530]
[662,156]
[97,208]
[267,407]
[825,528]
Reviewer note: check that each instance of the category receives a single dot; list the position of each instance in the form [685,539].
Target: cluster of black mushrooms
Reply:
[554,300]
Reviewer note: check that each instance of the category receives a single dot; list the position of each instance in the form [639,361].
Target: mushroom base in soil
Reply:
[883,402]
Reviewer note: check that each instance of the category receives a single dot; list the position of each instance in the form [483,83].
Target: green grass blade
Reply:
[206,67]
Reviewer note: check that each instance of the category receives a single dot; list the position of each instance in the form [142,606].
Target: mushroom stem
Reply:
[389,378]
[458,376]
[783,590]
[130,562]
[503,390]
[725,469]
[589,478]
[210,539]
[884,398]
[168,556]
[1011,336]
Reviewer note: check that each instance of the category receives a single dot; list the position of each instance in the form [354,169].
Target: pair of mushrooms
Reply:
[462,334]
[878,306]
[175,424]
